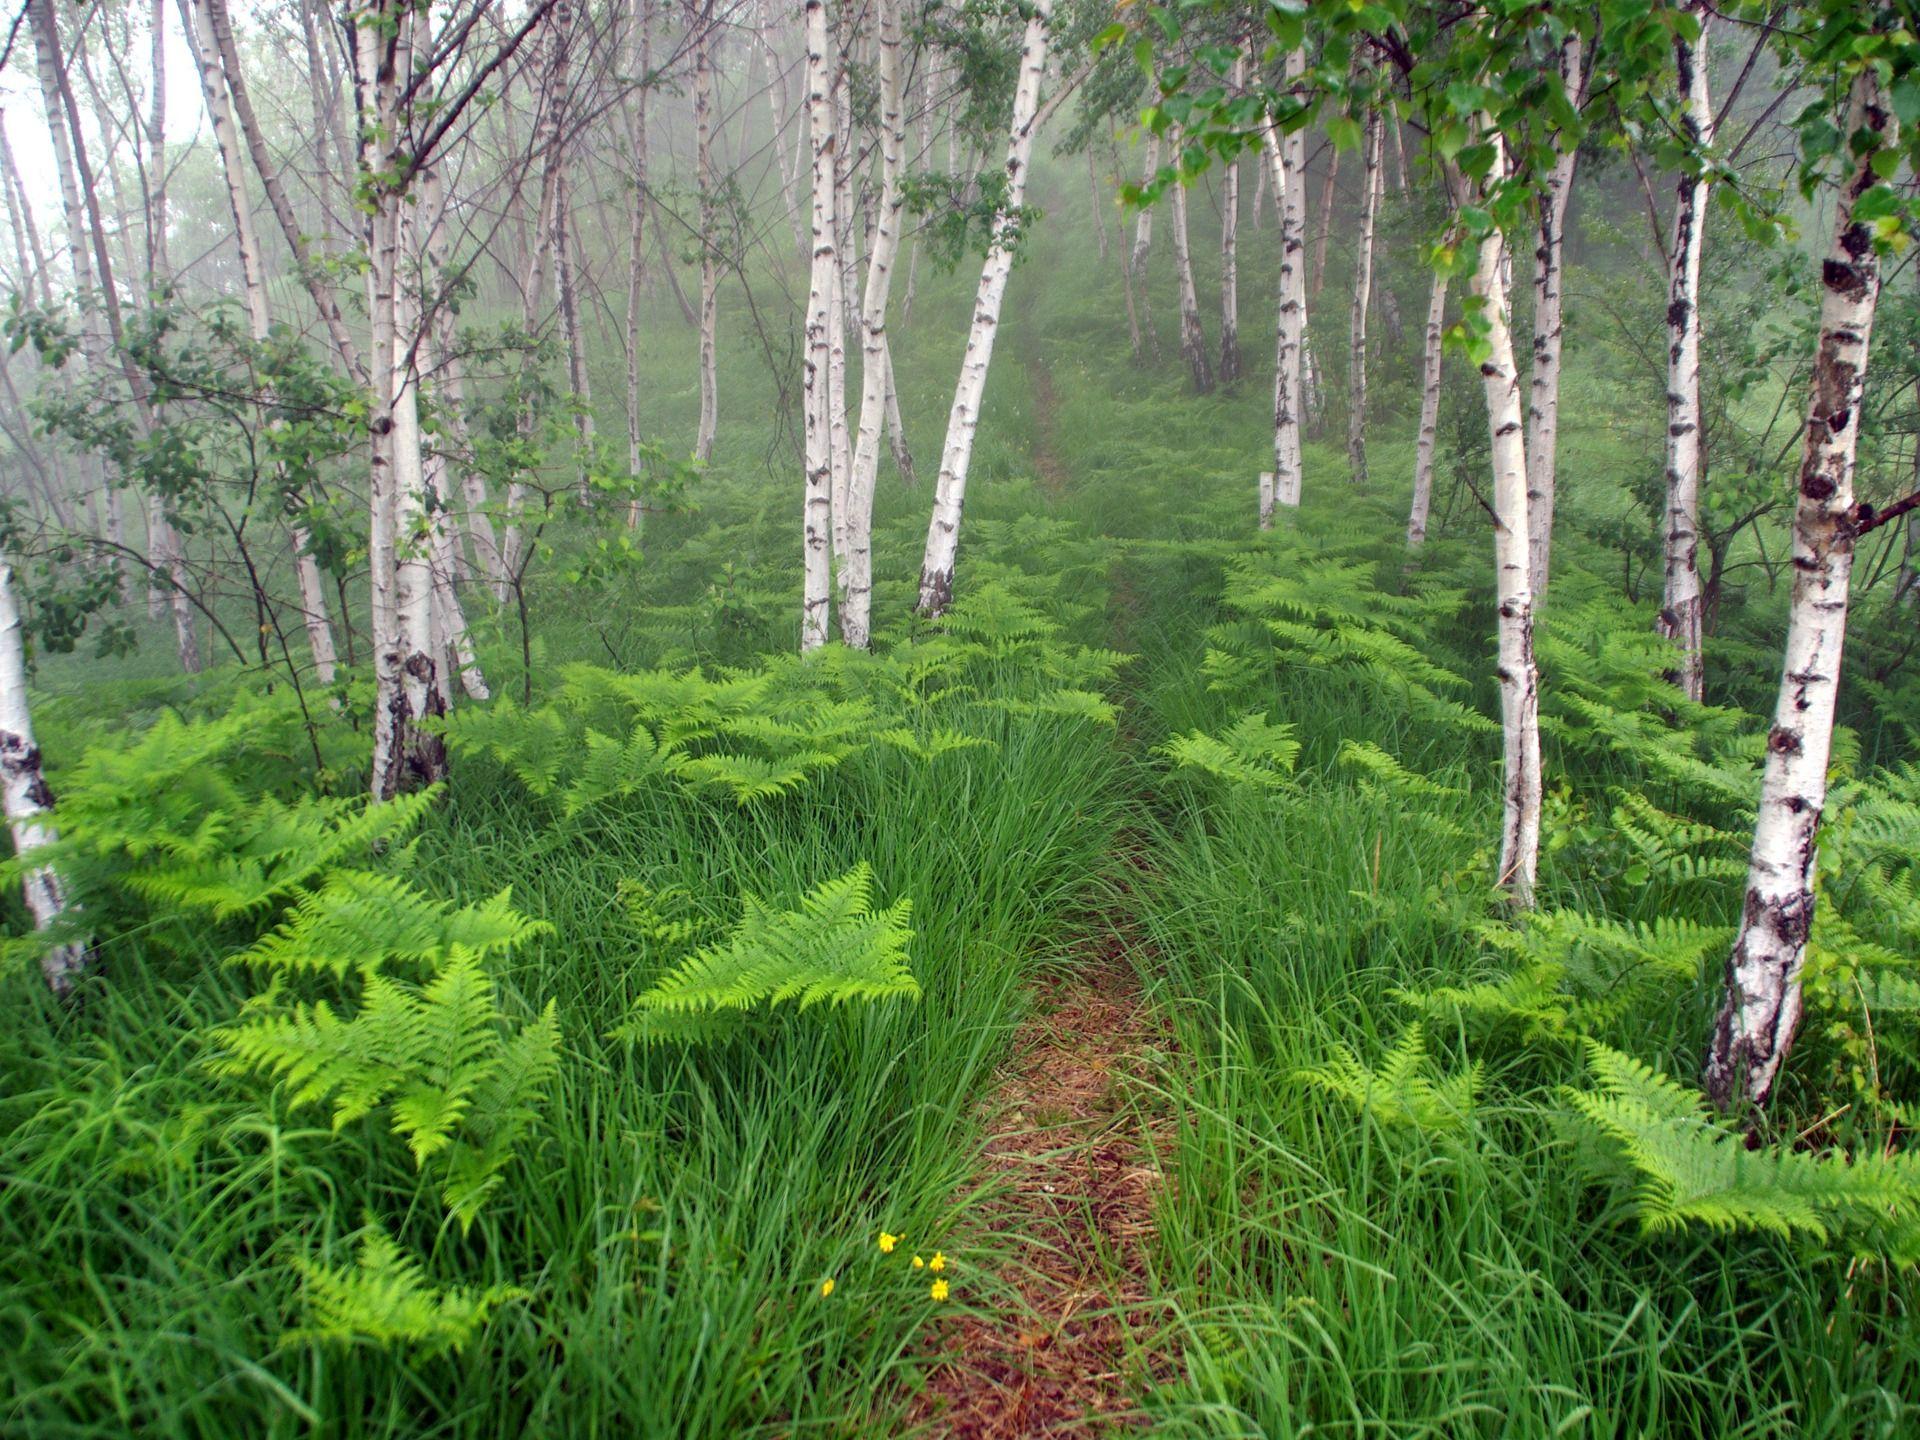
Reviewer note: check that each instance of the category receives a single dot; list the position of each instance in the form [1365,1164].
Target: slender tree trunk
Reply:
[579,380]
[1325,236]
[640,50]
[1362,302]
[196,20]
[1681,600]
[702,20]
[1543,403]
[896,427]
[1142,250]
[28,800]
[1429,413]
[1229,244]
[876,371]
[943,533]
[1761,1011]
[1286,168]
[1096,204]
[1519,679]
[816,515]
[1193,338]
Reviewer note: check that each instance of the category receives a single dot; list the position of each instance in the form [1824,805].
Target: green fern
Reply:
[1382,770]
[357,920]
[941,741]
[1402,1091]
[1685,1168]
[834,949]
[384,1298]
[752,777]
[1253,751]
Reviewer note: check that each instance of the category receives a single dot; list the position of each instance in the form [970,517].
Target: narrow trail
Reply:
[1079,1179]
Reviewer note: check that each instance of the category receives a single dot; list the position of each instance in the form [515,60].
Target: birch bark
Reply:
[702,20]
[1193,338]
[1286,166]
[943,531]
[1681,602]
[876,371]
[1761,1011]
[1543,403]
[816,515]
[1142,251]
[1429,413]
[1229,248]
[27,798]
[1362,303]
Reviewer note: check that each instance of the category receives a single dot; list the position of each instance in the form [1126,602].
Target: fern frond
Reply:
[384,1298]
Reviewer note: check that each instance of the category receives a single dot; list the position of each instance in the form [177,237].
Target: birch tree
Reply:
[1193,336]
[1362,303]
[1142,251]
[963,420]
[1432,343]
[1543,394]
[816,515]
[876,371]
[700,18]
[1229,250]
[1681,601]
[1762,1006]
[1286,165]
[28,800]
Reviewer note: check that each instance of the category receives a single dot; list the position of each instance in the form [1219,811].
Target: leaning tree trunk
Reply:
[27,798]
[1681,601]
[1229,246]
[876,371]
[1761,1011]
[579,379]
[950,491]
[1362,303]
[1286,165]
[709,252]
[1429,413]
[1142,251]
[1519,679]
[816,515]
[198,23]
[1543,403]
[1193,338]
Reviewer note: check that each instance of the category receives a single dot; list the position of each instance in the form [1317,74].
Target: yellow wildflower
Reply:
[939,1290]
[918,1263]
[826,1287]
[938,1263]
[887,1242]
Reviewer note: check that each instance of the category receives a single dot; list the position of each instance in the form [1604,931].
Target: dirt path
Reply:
[1074,1218]
[1046,465]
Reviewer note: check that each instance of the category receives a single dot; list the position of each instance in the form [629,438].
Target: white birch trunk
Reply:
[1142,251]
[1518,677]
[709,254]
[1543,402]
[876,371]
[1193,338]
[1286,166]
[198,24]
[1762,1008]
[640,52]
[943,531]
[816,515]
[1431,347]
[26,796]
[1229,248]
[1362,303]
[1681,597]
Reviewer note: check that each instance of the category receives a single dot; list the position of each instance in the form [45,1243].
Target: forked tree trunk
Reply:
[816,515]
[950,491]
[1761,1010]
[1543,402]
[1431,347]
[1229,257]
[1141,252]
[27,798]
[1286,167]
[1518,677]
[876,371]
[1193,338]
[198,24]
[1681,599]
[1362,303]
[702,20]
